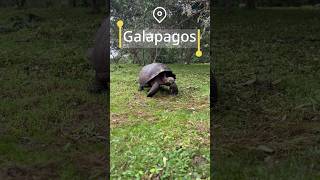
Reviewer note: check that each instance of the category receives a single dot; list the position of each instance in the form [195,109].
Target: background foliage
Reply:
[181,15]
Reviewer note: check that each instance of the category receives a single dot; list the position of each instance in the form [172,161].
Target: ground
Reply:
[267,121]
[51,127]
[164,136]
[266,125]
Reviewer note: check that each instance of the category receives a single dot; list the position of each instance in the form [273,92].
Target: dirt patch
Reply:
[118,119]
[200,126]
[91,165]
[282,133]
[95,114]
[191,105]
[48,171]
[198,160]
[203,130]
[91,112]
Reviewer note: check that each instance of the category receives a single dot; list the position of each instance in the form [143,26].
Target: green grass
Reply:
[267,65]
[49,123]
[51,126]
[166,136]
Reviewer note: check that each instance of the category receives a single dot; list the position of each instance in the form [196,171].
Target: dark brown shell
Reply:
[150,71]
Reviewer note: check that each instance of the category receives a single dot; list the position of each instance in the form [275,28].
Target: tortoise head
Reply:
[168,80]
[174,89]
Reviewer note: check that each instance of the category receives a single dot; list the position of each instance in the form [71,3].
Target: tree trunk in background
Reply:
[95,7]
[135,57]
[188,56]
[154,54]
[251,4]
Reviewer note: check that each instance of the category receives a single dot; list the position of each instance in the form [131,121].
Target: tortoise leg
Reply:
[140,87]
[174,89]
[154,89]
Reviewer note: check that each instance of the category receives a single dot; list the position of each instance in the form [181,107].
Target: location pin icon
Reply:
[159,13]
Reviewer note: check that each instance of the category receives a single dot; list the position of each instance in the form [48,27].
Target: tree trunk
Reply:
[135,58]
[188,56]
[154,55]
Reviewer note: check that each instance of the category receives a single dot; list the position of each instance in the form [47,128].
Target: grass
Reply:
[52,128]
[266,125]
[50,125]
[165,136]
[267,122]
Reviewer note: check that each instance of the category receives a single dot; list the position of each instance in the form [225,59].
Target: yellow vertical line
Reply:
[199,52]
[198,39]
[120,25]
[120,37]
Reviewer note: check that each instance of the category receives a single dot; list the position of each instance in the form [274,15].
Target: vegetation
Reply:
[165,136]
[265,125]
[252,4]
[267,122]
[50,126]
[137,16]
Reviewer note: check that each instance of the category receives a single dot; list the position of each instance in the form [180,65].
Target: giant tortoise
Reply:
[156,74]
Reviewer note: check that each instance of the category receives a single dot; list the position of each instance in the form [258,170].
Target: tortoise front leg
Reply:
[154,89]
[140,87]
[174,89]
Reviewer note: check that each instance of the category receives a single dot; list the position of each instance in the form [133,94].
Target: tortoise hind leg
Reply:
[154,89]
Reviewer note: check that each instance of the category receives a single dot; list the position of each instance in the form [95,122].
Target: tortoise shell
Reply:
[153,70]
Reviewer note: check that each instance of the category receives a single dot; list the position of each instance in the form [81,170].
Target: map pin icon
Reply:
[159,13]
